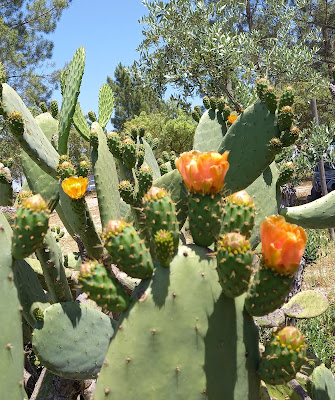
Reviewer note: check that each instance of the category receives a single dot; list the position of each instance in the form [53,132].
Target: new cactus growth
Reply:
[127,249]
[100,287]
[261,88]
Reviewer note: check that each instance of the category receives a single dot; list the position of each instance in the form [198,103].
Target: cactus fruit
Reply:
[54,108]
[290,136]
[286,98]
[284,355]
[206,102]
[163,169]
[127,249]
[92,116]
[173,162]
[140,159]
[30,226]
[160,213]
[115,144]
[148,138]
[226,112]
[141,131]
[164,247]
[94,138]
[144,179]
[286,173]
[129,153]
[154,144]
[100,287]
[43,107]
[160,161]
[261,88]
[212,102]
[83,168]
[270,99]
[134,134]
[234,260]
[238,214]
[196,113]
[5,175]
[221,103]
[127,192]
[285,118]
[15,122]
[65,170]
[275,146]
[166,156]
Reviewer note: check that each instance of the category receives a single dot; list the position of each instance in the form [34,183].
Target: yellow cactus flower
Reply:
[232,118]
[203,173]
[75,187]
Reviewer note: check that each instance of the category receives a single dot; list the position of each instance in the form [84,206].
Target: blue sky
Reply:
[110,33]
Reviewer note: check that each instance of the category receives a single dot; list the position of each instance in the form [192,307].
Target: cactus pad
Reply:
[72,340]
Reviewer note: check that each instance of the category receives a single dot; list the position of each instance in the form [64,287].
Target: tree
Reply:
[221,47]
[132,95]
[24,47]
[173,127]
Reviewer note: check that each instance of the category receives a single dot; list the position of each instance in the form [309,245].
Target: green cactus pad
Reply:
[107,292]
[210,131]
[234,260]
[30,227]
[80,123]
[30,290]
[267,291]
[127,249]
[72,340]
[106,104]
[106,178]
[33,141]
[150,160]
[72,84]
[319,214]
[186,362]
[323,384]
[11,344]
[205,213]
[255,127]
[306,304]
[51,259]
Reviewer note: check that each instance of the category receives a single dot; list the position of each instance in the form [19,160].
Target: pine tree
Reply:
[132,95]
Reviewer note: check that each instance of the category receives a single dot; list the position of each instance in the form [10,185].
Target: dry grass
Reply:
[321,276]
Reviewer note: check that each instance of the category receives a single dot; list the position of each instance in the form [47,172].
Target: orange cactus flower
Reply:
[203,172]
[283,244]
[75,187]
[232,118]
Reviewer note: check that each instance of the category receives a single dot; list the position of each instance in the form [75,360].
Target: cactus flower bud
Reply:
[283,244]
[35,203]
[241,198]
[203,173]
[291,336]
[75,187]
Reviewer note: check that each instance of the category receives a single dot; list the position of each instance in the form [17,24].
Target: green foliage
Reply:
[132,95]
[316,240]
[222,47]
[24,46]
[320,335]
[174,134]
